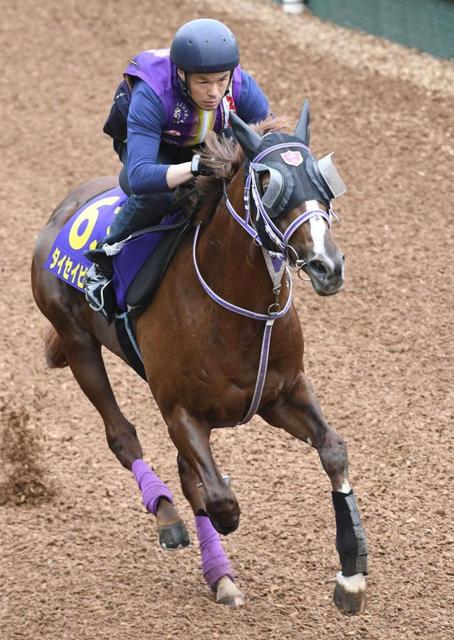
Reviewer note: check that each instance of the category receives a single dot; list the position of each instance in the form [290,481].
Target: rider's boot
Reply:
[99,292]
[98,287]
[101,261]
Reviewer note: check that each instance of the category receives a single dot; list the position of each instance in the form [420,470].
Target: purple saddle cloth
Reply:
[87,226]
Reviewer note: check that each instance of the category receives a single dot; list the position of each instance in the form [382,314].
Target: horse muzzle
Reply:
[326,273]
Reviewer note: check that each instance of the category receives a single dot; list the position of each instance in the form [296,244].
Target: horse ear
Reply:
[303,128]
[247,138]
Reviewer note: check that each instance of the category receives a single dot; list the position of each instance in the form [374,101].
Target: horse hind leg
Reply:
[216,566]
[158,500]
[77,348]
[300,415]
[53,351]
[73,346]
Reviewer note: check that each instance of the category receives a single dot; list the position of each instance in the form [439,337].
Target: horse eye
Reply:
[265,181]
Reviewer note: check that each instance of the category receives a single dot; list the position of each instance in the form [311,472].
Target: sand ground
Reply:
[79,554]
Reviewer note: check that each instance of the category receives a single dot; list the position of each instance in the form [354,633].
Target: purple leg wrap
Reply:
[215,563]
[152,487]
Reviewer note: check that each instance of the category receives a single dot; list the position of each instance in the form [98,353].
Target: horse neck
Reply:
[232,263]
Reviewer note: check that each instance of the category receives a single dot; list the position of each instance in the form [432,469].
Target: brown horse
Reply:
[206,343]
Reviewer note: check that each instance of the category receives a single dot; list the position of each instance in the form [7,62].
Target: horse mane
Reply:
[225,157]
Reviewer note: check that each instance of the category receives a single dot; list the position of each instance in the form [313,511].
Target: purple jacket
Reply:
[186,125]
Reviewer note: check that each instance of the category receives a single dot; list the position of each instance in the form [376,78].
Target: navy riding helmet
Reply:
[204,46]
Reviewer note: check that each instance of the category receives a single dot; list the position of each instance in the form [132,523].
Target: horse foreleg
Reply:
[83,354]
[191,436]
[216,567]
[299,414]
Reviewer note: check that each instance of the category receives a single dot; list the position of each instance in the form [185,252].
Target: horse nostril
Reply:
[318,268]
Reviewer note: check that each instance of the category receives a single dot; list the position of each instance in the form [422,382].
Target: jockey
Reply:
[172,100]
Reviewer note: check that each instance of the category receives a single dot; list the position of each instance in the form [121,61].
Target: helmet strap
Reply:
[184,86]
[230,82]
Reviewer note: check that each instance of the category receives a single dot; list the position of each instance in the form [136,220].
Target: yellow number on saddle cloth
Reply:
[66,259]
[79,238]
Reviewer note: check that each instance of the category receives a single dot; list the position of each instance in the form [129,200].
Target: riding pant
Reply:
[145,209]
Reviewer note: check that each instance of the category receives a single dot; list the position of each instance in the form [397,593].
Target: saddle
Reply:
[143,261]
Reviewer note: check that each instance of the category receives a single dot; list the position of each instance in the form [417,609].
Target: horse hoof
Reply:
[174,536]
[223,530]
[227,593]
[350,593]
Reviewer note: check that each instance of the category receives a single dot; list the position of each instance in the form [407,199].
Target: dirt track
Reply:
[79,553]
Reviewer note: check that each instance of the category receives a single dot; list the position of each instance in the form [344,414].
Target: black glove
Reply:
[198,168]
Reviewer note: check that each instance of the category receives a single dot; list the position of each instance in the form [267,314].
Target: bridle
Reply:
[279,238]
[276,261]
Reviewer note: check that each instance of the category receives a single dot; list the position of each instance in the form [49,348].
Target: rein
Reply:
[276,263]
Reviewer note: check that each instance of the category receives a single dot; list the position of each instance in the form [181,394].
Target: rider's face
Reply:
[207,89]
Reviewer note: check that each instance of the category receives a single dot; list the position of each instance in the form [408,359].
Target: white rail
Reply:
[293,6]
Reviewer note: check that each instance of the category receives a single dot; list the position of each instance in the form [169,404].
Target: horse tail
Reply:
[53,350]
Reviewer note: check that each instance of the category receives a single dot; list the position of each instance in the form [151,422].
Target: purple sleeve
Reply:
[253,104]
[146,121]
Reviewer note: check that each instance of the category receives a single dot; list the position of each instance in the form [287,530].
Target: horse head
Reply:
[292,193]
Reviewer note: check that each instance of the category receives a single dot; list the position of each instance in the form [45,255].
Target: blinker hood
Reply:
[279,189]
[325,176]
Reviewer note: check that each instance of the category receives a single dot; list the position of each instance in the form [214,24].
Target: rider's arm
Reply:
[178,174]
[253,105]
[146,121]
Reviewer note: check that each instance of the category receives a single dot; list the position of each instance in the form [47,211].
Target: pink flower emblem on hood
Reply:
[292,157]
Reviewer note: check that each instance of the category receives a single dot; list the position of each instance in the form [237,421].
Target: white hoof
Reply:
[350,593]
[228,593]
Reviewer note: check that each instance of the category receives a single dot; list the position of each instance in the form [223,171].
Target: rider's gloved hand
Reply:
[198,168]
